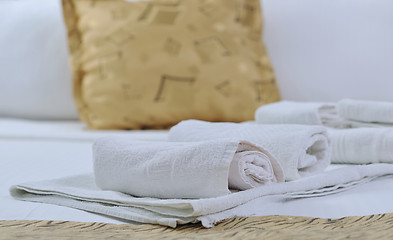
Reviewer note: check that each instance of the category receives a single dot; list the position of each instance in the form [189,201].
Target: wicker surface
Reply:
[269,227]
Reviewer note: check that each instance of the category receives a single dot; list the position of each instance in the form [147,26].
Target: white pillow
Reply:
[326,50]
[35,80]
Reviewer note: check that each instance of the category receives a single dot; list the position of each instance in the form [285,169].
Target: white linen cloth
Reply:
[181,170]
[301,150]
[366,111]
[362,145]
[81,192]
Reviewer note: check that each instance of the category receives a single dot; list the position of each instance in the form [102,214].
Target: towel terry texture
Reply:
[301,150]
[81,192]
[362,145]
[366,111]
[182,169]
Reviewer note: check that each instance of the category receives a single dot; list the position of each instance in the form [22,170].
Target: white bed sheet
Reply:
[38,150]
[31,151]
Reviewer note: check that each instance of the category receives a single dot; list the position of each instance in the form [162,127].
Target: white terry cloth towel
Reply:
[182,169]
[80,192]
[308,113]
[301,150]
[362,145]
[366,111]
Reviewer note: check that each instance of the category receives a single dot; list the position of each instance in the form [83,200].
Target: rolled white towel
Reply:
[308,113]
[250,169]
[182,170]
[362,145]
[301,150]
[366,111]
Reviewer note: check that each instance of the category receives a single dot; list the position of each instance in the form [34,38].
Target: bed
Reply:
[43,139]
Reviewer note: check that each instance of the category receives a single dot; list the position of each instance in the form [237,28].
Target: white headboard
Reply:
[326,50]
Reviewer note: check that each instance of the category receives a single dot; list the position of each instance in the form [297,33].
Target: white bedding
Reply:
[31,151]
[37,150]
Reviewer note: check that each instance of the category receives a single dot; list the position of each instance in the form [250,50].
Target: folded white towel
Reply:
[301,150]
[362,145]
[309,113]
[181,169]
[80,192]
[368,141]
[314,113]
[366,111]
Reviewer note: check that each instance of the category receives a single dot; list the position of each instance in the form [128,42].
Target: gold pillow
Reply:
[151,64]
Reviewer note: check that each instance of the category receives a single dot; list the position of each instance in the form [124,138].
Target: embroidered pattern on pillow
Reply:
[151,64]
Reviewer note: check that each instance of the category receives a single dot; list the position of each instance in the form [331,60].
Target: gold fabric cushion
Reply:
[151,64]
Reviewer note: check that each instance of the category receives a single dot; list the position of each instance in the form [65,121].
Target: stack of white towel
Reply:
[207,170]
[202,173]
[360,131]
[205,159]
